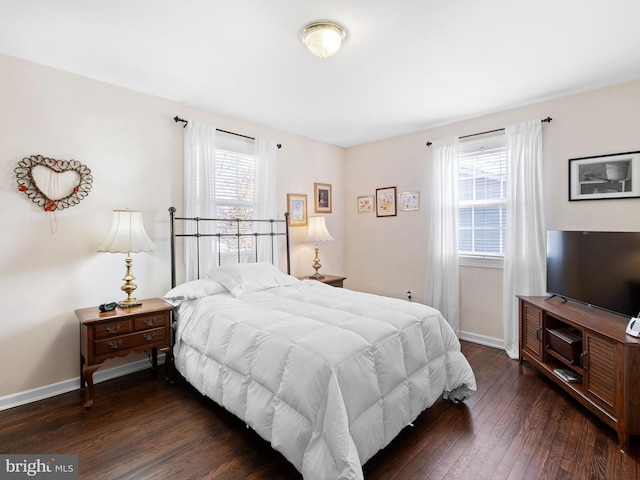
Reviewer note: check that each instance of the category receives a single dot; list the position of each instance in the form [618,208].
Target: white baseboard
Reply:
[482,340]
[47,391]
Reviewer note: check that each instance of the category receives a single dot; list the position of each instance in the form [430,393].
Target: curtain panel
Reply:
[525,247]
[441,286]
[265,197]
[199,194]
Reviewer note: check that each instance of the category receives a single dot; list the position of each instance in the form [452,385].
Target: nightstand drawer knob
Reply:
[115,345]
[150,337]
[113,330]
[150,322]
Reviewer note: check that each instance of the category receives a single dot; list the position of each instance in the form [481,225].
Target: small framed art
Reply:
[386,202]
[605,176]
[322,197]
[409,200]
[366,203]
[297,205]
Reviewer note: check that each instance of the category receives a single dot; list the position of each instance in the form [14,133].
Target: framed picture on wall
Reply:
[605,176]
[322,197]
[297,207]
[366,203]
[386,202]
[409,200]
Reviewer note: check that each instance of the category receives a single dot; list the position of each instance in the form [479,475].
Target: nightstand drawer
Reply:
[126,342]
[151,321]
[112,329]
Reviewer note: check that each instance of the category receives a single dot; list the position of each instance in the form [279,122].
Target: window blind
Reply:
[235,176]
[482,176]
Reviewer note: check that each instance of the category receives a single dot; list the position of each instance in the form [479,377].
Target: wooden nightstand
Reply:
[117,333]
[333,280]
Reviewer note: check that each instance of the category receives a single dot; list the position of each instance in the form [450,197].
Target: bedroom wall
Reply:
[388,255]
[134,150]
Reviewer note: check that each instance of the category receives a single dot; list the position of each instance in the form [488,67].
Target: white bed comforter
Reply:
[329,376]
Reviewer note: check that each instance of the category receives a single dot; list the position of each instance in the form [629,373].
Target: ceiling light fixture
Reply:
[323,38]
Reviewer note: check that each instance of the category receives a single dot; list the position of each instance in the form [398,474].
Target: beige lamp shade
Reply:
[318,230]
[127,234]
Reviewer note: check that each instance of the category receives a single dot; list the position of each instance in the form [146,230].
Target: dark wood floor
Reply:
[517,426]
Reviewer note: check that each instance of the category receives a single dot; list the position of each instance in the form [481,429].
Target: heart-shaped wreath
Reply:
[27,182]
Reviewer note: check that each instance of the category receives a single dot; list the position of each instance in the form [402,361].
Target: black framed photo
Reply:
[605,176]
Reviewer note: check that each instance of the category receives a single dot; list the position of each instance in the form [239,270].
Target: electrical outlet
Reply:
[409,295]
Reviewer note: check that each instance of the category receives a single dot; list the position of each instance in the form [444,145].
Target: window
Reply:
[235,178]
[482,177]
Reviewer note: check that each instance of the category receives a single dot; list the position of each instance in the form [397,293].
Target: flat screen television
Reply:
[601,269]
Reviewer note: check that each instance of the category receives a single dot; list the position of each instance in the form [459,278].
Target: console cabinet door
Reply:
[601,370]
[532,333]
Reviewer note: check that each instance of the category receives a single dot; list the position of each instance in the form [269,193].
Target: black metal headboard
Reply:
[274,232]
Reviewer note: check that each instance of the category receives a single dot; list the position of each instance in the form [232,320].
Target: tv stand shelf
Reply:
[608,360]
[563,360]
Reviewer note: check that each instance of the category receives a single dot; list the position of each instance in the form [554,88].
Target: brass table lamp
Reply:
[127,235]
[317,233]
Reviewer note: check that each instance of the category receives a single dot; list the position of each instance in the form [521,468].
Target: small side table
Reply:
[333,280]
[121,331]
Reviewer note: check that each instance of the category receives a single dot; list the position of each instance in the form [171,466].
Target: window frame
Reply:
[497,141]
[238,147]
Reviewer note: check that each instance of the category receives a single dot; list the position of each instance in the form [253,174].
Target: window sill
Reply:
[479,261]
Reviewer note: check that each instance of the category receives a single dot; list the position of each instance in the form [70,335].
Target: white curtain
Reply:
[525,250]
[441,290]
[265,198]
[199,193]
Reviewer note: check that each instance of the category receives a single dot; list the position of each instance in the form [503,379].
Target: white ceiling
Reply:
[406,65]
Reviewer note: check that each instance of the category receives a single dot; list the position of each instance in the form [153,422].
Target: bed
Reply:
[327,375]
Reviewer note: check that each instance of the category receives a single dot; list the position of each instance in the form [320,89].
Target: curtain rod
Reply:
[178,119]
[547,120]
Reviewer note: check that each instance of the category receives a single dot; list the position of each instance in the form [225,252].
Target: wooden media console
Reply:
[587,352]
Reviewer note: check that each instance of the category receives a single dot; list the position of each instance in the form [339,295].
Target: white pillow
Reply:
[250,277]
[195,289]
